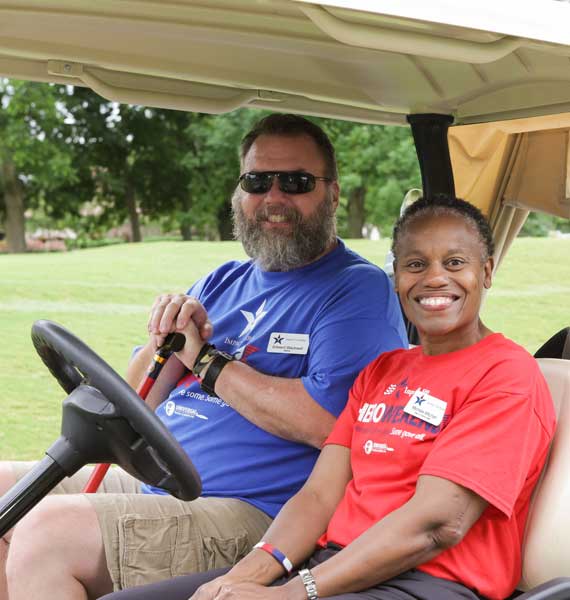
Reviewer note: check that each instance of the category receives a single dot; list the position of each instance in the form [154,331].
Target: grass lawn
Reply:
[103,295]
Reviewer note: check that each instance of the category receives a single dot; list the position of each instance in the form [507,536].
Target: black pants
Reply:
[411,585]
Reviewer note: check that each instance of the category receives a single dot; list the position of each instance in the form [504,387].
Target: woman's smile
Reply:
[436,303]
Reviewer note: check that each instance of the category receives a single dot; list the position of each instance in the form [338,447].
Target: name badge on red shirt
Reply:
[425,407]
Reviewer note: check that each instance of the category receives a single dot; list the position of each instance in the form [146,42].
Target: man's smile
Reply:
[277,218]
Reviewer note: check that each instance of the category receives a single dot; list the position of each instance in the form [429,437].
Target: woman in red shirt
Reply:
[422,489]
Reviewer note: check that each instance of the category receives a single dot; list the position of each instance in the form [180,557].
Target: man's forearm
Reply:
[278,405]
[170,374]
[138,365]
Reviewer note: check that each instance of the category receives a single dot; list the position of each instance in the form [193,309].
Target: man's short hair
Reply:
[444,204]
[288,125]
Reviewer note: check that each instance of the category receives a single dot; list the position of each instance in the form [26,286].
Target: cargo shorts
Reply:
[151,537]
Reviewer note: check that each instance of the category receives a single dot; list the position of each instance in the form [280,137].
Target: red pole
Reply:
[173,343]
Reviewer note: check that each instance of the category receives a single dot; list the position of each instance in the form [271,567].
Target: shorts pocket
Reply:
[157,548]
[225,552]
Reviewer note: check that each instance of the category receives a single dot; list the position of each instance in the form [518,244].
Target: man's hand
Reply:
[184,314]
[174,312]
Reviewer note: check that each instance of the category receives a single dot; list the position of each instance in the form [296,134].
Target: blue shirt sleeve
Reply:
[362,321]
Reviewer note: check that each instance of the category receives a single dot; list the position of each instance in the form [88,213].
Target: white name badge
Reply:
[288,343]
[425,407]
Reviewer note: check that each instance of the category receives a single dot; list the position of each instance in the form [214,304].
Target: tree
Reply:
[214,160]
[149,161]
[377,165]
[170,163]
[35,155]
[105,134]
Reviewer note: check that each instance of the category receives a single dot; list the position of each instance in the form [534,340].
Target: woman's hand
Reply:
[210,590]
[218,589]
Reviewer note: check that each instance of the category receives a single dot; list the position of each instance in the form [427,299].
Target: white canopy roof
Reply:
[374,61]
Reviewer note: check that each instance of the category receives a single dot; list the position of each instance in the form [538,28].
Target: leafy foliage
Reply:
[377,161]
[91,164]
[34,153]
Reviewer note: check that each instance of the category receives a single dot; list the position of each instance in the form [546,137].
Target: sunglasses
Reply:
[290,182]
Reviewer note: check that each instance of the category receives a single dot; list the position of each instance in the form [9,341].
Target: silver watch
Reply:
[309,583]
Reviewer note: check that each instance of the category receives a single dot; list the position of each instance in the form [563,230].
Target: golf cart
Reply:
[484,87]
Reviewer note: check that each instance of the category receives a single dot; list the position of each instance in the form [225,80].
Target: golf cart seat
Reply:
[546,549]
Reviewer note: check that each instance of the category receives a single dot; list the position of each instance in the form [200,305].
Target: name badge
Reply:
[425,407]
[288,343]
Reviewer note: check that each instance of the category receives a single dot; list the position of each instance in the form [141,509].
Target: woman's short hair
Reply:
[440,205]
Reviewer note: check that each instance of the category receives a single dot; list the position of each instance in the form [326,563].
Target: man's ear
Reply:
[335,189]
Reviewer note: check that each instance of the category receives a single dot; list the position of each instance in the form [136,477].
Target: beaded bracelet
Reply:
[277,555]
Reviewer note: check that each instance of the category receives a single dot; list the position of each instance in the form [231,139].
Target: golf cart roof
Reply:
[501,69]
[374,61]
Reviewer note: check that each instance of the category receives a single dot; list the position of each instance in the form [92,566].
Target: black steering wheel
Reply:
[108,421]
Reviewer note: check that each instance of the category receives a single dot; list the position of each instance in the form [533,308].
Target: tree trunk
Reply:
[131,199]
[186,221]
[225,223]
[14,201]
[355,212]
[186,231]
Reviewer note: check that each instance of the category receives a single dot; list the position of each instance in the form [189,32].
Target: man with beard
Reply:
[272,347]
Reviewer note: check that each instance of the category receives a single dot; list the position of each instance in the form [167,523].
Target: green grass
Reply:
[104,294]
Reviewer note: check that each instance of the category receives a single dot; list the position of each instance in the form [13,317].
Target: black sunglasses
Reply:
[290,182]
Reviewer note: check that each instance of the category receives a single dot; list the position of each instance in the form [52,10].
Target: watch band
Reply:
[309,583]
[220,360]
[205,356]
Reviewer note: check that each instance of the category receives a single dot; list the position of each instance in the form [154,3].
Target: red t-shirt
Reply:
[481,417]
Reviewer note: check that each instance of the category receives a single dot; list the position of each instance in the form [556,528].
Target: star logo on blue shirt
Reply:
[278,339]
[253,319]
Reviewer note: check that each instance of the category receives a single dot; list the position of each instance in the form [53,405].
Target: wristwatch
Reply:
[205,356]
[309,583]
[220,360]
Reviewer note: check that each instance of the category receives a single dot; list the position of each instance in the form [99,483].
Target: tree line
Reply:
[70,158]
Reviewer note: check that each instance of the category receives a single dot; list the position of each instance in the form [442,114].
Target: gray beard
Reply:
[280,251]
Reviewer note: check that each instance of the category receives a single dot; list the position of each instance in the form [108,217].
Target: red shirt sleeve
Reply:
[498,438]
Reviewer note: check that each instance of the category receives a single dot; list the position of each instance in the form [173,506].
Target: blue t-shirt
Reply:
[322,323]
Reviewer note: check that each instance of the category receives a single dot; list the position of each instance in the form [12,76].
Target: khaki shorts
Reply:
[150,537]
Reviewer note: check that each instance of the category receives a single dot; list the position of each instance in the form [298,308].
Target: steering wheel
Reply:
[108,421]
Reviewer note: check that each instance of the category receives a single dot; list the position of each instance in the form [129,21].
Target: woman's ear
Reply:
[395,279]
[488,272]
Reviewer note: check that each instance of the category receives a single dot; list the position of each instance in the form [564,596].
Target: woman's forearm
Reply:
[436,518]
[302,520]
